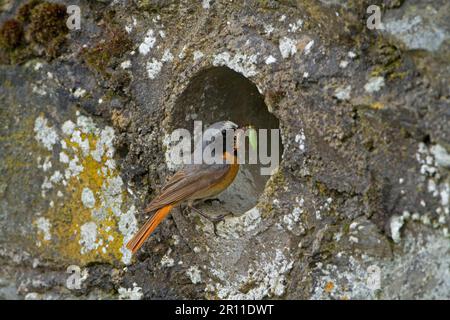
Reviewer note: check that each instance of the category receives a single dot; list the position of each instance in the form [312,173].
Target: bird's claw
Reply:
[214,220]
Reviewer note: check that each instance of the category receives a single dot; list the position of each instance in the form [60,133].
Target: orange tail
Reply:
[138,240]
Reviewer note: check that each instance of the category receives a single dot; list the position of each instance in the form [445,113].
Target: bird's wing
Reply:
[186,182]
[177,177]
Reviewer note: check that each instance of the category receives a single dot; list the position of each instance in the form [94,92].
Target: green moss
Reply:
[267,4]
[102,56]
[275,183]
[24,12]
[37,25]
[20,55]
[246,287]
[47,22]
[153,7]
[389,62]
[11,34]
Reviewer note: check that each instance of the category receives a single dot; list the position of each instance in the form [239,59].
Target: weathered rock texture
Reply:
[358,208]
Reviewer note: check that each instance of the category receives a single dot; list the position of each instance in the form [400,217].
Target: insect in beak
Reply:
[252,137]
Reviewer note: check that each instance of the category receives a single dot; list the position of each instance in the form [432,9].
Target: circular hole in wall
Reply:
[218,94]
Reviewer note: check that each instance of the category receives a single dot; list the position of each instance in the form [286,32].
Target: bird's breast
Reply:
[220,185]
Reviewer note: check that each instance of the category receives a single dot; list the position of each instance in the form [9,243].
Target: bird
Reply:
[191,183]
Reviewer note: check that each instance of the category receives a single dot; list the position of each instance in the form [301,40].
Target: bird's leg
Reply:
[213,220]
[182,209]
[210,201]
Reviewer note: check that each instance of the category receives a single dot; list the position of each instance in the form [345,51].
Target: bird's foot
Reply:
[184,210]
[214,220]
[211,201]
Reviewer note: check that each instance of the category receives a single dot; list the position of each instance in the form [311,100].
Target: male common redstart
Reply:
[192,182]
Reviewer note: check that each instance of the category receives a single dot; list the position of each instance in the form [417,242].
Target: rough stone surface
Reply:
[358,208]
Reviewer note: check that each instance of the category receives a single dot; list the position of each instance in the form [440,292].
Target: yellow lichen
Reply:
[377,105]
[69,214]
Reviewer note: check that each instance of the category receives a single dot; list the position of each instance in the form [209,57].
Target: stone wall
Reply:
[358,208]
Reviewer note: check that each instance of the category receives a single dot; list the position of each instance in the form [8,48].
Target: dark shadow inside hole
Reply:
[218,94]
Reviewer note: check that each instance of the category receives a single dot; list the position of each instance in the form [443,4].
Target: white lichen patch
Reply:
[148,43]
[445,195]
[154,66]
[268,29]
[44,133]
[343,64]
[308,47]
[182,53]
[206,4]
[441,155]
[234,227]
[88,237]
[172,159]
[38,66]
[176,239]
[130,27]
[90,180]
[43,225]
[374,84]
[242,63]
[426,156]
[39,90]
[194,274]
[198,55]
[343,93]
[45,186]
[46,165]
[354,281]
[82,143]
[293,27]
[416,33]
[79,93]
[323,208]
[426,160]
[131,294]
[396,224]
[267,276]
[291,220]
[270,59]
[68,127]
[127,255]
[56,177]
[167,261]
[126,64]
[74,168]
[87,198]
[86,124]
[288,47]
[128,223]
[301,140]
[167,56]
[104,145]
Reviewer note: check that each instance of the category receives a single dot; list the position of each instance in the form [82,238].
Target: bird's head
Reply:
[230,131]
